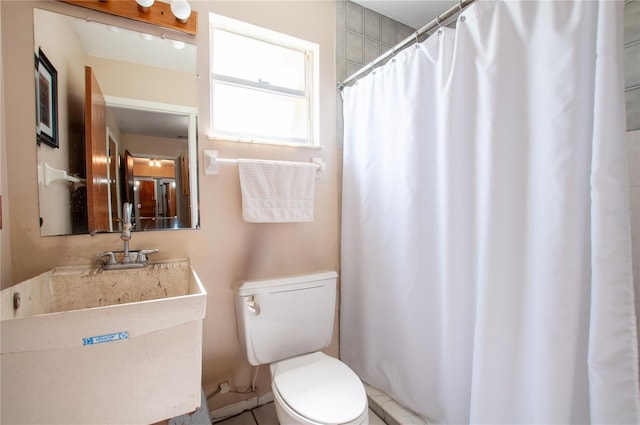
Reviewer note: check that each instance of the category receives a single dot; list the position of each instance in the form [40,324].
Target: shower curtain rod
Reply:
[438,22]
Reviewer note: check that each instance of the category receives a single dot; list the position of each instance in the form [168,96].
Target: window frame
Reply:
[310,95]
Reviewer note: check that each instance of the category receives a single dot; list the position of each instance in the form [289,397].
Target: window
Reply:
[264,85]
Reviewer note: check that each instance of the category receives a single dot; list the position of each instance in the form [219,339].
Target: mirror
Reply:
[126,105]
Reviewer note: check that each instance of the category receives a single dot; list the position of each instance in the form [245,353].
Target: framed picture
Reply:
[46,101]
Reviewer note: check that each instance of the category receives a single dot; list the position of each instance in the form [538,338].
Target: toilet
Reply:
[285,323]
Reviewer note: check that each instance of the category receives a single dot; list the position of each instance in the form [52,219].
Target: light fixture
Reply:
[178,45]
[175,15]
[146,36]
[181,10]
[144,5]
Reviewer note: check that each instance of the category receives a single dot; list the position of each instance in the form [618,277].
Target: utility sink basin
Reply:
[81,345]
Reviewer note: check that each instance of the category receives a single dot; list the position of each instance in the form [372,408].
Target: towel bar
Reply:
[47,175]
[211,162]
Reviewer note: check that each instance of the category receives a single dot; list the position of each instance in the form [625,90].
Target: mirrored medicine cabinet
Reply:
[126,109]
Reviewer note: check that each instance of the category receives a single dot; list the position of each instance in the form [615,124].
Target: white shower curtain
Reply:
[486,267]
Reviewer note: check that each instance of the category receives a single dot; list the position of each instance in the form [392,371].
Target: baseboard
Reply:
[239,407]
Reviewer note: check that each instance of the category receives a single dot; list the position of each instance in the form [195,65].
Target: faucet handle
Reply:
[142,254]
[110,254]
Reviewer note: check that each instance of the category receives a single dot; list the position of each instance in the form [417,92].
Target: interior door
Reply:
[114,196]
[147,202]
[128,183]
[96,155]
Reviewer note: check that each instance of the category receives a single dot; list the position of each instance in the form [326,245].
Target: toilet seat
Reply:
[319,388]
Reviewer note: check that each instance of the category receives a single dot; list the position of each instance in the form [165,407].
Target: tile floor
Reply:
[383,410]
[266,415]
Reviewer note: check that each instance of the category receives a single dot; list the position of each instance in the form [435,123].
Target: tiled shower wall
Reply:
[362,35]
[632,62]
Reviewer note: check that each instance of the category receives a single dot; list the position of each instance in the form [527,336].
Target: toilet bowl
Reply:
[317,389]
[285,323]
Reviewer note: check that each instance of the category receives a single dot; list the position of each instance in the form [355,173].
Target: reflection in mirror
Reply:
[154,138]
[126,100]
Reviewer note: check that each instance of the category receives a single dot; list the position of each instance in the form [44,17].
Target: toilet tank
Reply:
[282,318]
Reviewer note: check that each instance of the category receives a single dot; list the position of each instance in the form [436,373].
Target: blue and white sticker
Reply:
[99,339]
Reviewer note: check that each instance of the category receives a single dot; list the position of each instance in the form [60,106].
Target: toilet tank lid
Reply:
[291,283]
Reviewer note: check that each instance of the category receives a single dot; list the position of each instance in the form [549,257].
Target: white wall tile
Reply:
[354,16]
[372,24]
[632,101]
[402,32]
[633,156]
[362,36]
[354,47]
[631,58]
[631,21]
[371,50]
[387,30]
[632,62]
[351,68]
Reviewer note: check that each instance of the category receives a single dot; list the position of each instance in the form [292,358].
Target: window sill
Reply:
[265,142]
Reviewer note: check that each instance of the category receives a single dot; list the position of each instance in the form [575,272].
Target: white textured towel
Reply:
[276,191]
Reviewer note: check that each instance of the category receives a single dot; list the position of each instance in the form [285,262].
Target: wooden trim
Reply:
[159,14]
[96,155]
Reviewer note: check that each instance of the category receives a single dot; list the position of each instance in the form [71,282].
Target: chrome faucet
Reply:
[126,262]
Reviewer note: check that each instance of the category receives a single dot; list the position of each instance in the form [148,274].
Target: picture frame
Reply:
[46,101]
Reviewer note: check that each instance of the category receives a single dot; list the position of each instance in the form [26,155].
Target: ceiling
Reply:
[120,44]
[151,123]
[111,42]
[414,13]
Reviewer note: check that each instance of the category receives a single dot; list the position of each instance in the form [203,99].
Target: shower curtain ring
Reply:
[460,5]
[439,25]
[417,44]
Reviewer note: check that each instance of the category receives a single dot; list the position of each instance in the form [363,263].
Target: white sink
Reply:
[92,346]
